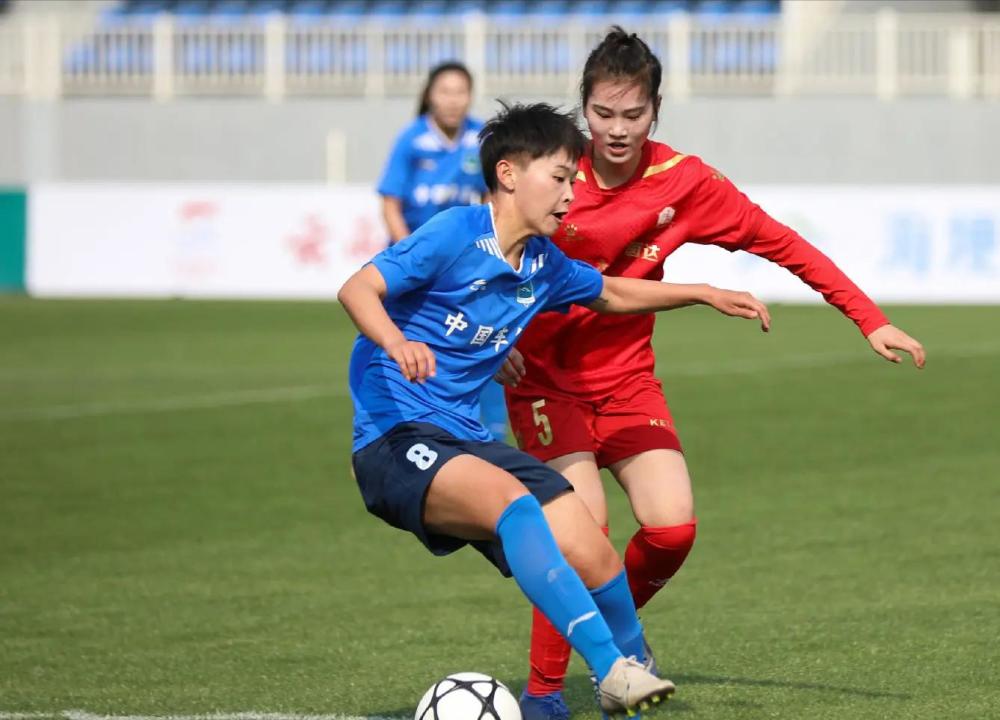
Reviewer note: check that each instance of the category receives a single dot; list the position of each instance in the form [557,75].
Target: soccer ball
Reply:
[468,696]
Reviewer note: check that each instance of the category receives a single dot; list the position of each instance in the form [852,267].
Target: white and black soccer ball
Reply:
[468,696]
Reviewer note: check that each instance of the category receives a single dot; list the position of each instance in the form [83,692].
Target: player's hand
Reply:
[888,338]
[513,369]
[415,359]
[740,304]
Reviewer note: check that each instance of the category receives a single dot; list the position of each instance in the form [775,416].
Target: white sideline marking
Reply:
[249,715]
[181,402]
[236,398]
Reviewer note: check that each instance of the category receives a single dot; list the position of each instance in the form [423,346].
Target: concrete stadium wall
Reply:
[801,140]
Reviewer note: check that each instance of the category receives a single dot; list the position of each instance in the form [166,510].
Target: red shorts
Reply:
[549,424]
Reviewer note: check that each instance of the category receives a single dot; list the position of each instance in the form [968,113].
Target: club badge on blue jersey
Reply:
[526,293]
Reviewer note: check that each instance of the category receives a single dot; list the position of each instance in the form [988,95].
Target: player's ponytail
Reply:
[622,56]
[451,66]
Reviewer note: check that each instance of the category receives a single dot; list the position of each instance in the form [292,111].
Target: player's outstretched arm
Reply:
[889,337]
[630,295]
[361,297]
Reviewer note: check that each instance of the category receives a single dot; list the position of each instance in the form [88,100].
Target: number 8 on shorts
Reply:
[421,456]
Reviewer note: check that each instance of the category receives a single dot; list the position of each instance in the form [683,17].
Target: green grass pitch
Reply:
[180,533]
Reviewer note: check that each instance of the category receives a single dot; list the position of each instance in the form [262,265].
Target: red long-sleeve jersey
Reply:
[629,231]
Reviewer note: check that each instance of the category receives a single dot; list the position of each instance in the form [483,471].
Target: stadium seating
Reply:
[508,48]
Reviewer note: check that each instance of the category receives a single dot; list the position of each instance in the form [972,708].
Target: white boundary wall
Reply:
[900,243]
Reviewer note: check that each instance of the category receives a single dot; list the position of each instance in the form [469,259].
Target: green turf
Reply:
[160,558]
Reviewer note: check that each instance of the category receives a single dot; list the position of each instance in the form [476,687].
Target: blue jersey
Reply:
[450,287]
[429,173]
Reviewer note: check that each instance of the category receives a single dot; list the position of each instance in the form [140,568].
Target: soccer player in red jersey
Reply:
[586,396]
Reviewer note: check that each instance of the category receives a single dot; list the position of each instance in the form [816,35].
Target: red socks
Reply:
[652,557]
[549,656]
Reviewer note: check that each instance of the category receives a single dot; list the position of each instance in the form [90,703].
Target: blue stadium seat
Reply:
[194,10]
[432,8]
[713,10]
[227,11]
[464,7]
[760,7]
[628,8]
[113,17]
[551,11]
[144,12]
[590,8]
[307,12]
[314,54]
[147,7]
[388,10]
[348,13]
[507,11]
[262,8]
[668,7]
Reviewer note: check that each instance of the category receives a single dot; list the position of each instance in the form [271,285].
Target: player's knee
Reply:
[673,541]
[506,493]
[666,511]
[594,559]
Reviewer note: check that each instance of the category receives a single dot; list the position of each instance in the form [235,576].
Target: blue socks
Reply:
[616,605]
[493,411]
[553,586]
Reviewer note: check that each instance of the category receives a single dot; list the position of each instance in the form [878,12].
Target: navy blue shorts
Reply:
[395,471]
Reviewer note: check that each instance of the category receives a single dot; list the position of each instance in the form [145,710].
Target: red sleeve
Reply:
[782,245]
[729,219]
[719,214]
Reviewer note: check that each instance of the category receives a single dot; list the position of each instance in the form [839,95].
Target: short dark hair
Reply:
[622,56]
[451,66]
[531,131]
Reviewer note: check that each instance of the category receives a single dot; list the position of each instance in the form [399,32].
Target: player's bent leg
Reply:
[658,487]
[466,494]
[467,497]
[555,429]
[588,550]
[659,490]
[550,653]
[580,468]
[581,540]
[447,491]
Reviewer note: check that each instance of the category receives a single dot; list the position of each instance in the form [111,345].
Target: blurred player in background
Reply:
[434,165]
[438,313]
[586,395]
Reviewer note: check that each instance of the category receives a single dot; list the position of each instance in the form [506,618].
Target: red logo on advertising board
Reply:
[309,246]
[367,240]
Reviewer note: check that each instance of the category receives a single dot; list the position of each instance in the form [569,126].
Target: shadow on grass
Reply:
[695,679]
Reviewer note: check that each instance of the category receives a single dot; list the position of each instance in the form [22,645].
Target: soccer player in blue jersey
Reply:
[438,313]
[434,165]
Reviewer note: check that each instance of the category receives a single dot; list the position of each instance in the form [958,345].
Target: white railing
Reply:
[886,54]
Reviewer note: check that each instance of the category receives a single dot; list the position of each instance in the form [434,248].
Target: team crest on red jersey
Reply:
[665,217]
[570,230]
